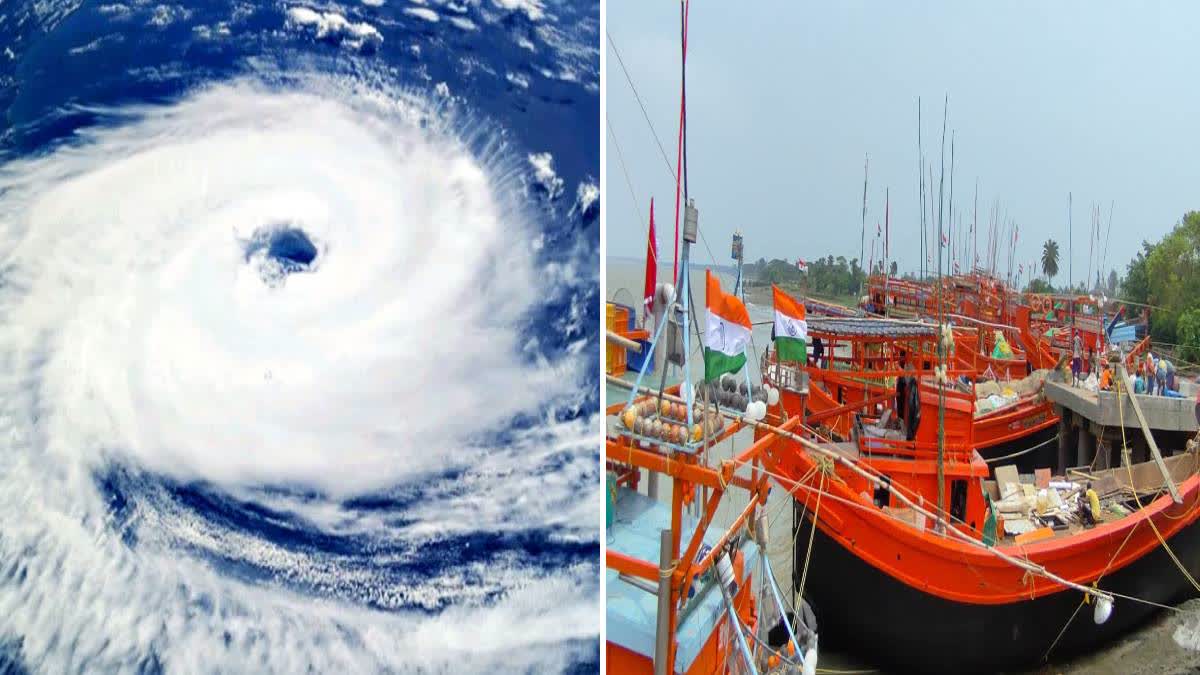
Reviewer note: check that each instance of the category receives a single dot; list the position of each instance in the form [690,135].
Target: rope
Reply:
[621,160]
[852,465]
[812,533]
[1026,451]
[636,96]
[1125,450]
[1084,599]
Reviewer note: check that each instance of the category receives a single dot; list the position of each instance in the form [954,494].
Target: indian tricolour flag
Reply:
[726,331]
[791,329]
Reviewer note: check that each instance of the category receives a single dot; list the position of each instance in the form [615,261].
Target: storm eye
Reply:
[280,250]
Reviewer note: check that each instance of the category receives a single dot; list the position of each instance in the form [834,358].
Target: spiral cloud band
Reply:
[282,302]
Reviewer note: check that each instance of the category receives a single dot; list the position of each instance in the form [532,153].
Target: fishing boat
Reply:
[684,594]
[942,594]
[874,369]
[950,564]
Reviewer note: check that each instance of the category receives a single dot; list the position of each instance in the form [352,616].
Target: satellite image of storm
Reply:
[298,336]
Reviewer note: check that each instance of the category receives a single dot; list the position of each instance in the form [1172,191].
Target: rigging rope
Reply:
[1125,452]
[621,160]
[638,97]
[1026,451]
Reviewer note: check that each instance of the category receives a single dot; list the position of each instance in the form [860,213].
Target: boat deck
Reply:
[631,610]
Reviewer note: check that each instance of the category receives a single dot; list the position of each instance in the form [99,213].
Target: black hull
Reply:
[902,629]
[1044,456]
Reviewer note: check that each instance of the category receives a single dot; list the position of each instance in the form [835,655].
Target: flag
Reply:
[726,331]
[801,265]
[945,241]
[651,268]
[791,329]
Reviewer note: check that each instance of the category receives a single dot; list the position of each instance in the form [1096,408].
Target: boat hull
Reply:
[899,627]
[1029,426]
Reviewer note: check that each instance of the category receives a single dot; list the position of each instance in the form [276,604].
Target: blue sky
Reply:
[786,100]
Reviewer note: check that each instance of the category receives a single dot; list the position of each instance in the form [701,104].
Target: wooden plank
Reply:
[1158,458]
[623,341]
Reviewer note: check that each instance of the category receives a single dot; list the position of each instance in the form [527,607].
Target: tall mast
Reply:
[1070,262]
[941,449]
[921,183]
[953,231]
[975,229]
[863,237]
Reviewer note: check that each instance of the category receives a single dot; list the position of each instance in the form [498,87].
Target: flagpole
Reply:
[863,238]
[887,272]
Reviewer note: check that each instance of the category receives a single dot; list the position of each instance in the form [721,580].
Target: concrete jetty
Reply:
[1091,423]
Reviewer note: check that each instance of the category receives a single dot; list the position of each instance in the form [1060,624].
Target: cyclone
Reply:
[296,373]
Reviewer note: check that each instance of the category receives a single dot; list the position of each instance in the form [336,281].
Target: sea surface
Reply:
[298,308]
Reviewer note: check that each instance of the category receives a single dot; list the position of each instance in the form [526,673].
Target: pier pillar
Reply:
[1103,454]
[1138,448]
[1064,440]
[1084,454]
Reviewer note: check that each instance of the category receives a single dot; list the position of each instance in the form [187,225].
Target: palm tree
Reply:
[1050,259]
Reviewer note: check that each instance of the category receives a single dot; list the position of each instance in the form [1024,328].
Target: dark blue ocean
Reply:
[298,309]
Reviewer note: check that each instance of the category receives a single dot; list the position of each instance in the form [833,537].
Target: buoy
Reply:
[725,572]
[1103,610]
[810,661]
[629,417]
[772,396]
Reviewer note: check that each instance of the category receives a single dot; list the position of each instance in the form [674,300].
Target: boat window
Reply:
[958,500]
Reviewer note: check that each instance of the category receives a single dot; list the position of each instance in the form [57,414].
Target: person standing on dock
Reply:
[1076,360]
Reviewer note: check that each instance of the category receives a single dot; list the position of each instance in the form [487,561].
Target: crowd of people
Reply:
[1154,375]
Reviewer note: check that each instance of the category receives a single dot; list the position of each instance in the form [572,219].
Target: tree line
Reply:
[1166,276]
[829,275]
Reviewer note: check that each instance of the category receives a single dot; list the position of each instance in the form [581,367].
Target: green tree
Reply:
[1050,259]
[1038,285]
[1173,272]
[1188,331]
[1136,285]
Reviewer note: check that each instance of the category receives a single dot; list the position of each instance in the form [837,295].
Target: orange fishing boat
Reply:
[951,565]
[940,587]
[872,369]
[683,594]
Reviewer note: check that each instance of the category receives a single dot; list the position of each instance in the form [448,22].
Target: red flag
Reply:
[651,267]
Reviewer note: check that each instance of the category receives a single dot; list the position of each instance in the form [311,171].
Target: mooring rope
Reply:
[1125,452]
[1026,451]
